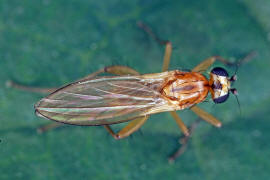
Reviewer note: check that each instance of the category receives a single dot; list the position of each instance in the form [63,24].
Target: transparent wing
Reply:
[104,100]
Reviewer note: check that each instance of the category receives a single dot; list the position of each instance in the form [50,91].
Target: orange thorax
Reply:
[188,88]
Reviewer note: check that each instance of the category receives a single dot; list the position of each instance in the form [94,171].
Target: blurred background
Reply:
[50,43]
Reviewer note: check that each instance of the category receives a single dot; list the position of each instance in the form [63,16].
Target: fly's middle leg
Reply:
[168,44]
[165,66]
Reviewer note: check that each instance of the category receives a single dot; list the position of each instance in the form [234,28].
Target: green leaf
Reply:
[51,43]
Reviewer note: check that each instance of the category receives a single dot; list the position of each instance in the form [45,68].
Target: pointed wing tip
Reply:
[39,114]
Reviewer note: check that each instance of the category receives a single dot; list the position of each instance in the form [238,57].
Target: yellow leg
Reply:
[165,66]
[130,128]
[184,143]
[206,116]
[168,45]
[201,113]
[204,65]
[180,123]
[12,84]
[208,62]
[49,126]
[117,70]
[167,56]
[166,63]
[201,68]
[135,124]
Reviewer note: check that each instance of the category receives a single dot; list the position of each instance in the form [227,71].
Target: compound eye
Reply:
[220,71]
[221,99]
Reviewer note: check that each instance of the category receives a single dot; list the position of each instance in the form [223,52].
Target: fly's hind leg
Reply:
[118,70]
[201,68]
[12,84]
[134,124]
[130,128]
[52,125]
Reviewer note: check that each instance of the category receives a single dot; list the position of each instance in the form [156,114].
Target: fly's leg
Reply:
[167,56]
[204,65]
[49,126]
[36,90]
[166,63]
[201,68]
[184,143]
[130,128]
[168,45]
[12,84]
[135,124]
[53,125]
[206,116]
[180,123]
[118,70]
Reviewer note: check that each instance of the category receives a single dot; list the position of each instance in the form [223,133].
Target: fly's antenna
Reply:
[234,76]
[234,92]
[246,59]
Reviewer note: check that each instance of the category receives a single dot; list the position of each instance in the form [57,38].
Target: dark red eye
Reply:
[220,71]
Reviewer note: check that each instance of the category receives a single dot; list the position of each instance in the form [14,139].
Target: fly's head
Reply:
[220,85]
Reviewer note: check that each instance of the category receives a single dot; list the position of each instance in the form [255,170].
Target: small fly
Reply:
[129,96]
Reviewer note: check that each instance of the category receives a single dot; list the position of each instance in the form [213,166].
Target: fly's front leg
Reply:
[201,68]
[205,64]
